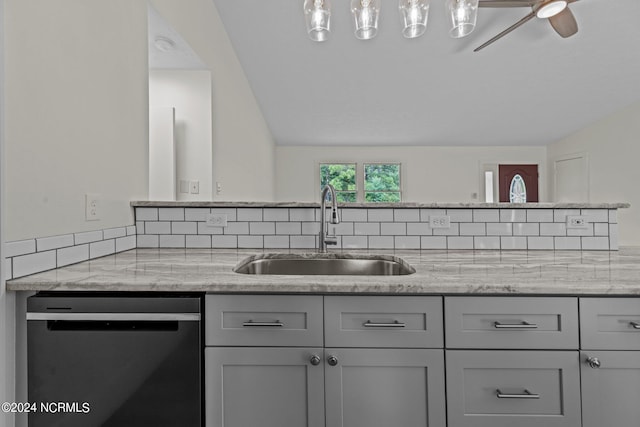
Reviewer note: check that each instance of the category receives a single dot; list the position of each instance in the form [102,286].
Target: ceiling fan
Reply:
[556,11]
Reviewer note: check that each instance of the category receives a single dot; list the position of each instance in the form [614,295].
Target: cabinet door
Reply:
[513,388]
[611,392]
[384,387]
[264,387]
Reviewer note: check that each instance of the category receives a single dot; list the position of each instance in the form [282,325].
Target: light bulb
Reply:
[317,15]
[414,14]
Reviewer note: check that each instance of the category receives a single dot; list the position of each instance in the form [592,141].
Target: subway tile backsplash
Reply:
[31,256]
[297,228]
[383,228]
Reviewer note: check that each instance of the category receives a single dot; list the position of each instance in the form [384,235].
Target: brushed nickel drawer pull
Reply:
[521,325]
[526,395]
[252,324]
[394,324]
[635,325]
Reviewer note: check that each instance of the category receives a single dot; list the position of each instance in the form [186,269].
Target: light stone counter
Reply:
[431,205]
[437,272]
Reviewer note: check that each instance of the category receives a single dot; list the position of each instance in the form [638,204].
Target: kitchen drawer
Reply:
[513,388]
[610,323]
[263,320]
[511,322]
[383,321]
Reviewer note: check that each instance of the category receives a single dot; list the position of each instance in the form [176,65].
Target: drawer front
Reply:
[610,323]
[511,322]
[263,320]
[513,388]
[383,321]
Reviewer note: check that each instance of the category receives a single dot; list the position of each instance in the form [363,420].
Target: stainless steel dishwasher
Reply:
[105,359]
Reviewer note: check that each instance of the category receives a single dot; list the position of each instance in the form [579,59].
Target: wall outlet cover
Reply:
[92,211]
[216,220]
[439,221]
[577,221]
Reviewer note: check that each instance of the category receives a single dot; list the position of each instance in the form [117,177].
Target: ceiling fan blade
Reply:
[505,32]
[564,23]
[507,3]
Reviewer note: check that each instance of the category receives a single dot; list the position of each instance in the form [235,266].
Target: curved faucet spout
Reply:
[325,238]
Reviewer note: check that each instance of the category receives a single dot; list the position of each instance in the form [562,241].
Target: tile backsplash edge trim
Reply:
[30,256]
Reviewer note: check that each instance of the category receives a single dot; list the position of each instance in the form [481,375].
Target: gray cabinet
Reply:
[610,369]
[384,387]
[513,388]
[610,388]
[512,322]
[264,387]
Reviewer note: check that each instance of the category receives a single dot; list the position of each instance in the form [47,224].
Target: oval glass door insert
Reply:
[517,190]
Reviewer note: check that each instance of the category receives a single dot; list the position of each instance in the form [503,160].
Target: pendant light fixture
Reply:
[462,15]
[366,13]
[317,14]
[414,14]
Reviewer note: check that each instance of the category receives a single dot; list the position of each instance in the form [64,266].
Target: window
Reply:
[517,190]
[343,178]
[380,181]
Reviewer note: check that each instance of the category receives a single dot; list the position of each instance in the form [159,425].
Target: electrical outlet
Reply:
[92,207]
[216,220]
[439,221]
[577,222]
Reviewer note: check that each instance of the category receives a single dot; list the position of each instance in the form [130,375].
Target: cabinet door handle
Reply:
[593,362]
[521,325]
[635,325]
[251,324]
[332,360]
[526,395]
[394,324]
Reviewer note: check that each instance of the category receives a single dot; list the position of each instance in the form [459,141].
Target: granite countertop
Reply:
[437,272]
[433,205]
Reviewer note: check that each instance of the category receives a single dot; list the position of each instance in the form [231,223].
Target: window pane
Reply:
[382,177]
[518,190]
[346,196]
[382,197]
[342,176]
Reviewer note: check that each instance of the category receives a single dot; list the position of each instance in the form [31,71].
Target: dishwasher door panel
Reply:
[114,373]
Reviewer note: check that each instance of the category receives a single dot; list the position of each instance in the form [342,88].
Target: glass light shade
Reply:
[551,9]
[414,14]
[462,15]
[366,13]
[317,14]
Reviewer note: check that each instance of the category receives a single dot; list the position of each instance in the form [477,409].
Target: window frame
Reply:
[364,181]
[360,179]
[338,192]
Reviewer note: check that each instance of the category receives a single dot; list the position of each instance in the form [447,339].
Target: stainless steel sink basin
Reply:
[324,264]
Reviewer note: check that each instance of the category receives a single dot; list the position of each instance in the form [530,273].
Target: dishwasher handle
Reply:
[116,317]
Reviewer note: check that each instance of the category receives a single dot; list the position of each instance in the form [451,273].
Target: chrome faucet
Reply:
[326,238]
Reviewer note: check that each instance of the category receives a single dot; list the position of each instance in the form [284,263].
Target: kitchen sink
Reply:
[324,264]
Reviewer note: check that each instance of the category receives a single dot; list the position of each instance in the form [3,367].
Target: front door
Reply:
[518,183]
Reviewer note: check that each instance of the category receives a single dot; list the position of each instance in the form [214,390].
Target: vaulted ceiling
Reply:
[530,88]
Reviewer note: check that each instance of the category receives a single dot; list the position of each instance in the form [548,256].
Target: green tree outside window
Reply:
[343,177]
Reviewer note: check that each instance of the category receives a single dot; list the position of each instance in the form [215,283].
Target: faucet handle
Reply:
[330,239]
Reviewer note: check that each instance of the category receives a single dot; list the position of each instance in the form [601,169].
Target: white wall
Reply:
[7,323]
[243,148]
[189,92]
[613,148]
[429,174]
[76,113]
